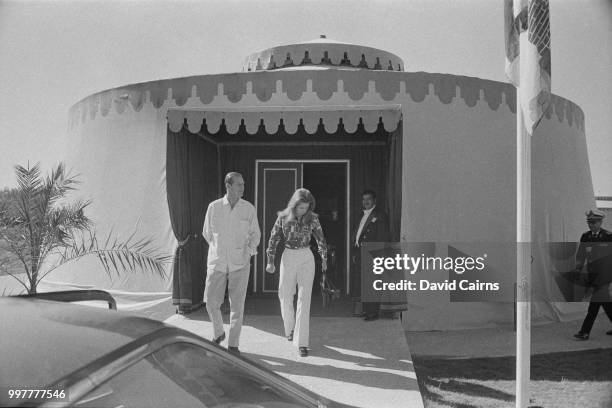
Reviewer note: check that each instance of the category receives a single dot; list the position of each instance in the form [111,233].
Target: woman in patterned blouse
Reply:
[296,224]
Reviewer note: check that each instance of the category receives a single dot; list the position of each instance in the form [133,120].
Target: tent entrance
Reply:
[363,149]
[329,181]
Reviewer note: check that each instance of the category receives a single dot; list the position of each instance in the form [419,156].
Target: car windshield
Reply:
[186,375]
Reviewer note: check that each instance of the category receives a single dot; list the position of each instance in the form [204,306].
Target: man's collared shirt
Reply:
[232,234]
[366,214]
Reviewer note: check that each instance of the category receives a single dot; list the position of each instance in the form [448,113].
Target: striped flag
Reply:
[527,36]
[514,24]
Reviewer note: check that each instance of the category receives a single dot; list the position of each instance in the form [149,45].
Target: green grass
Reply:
[558,380]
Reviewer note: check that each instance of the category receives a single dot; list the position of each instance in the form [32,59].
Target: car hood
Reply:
[44,340]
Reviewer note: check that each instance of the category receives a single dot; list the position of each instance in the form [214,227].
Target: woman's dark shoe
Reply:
[290,336]
[303,351]
[219,339]
[581,336]
[233,350]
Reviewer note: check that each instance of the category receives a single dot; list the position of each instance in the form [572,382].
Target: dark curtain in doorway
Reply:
[196,164]
[191,183]
[394,183]
[394,203]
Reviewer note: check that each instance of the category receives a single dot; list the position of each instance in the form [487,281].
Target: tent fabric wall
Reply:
[459,185]
[562,191]
[119,159]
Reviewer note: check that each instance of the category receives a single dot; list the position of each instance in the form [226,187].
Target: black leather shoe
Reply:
[303,351]
[370,317]
[219,339]
[609,332]
[233,350]
[290,336]
[581,336]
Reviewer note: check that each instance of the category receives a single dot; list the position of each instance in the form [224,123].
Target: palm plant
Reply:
[42,231]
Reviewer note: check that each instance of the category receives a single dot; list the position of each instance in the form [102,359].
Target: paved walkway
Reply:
[364,364]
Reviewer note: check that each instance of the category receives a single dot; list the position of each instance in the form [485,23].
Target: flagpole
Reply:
[523,257]
[527,35]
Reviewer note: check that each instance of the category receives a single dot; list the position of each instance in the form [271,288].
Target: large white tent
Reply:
[446,164]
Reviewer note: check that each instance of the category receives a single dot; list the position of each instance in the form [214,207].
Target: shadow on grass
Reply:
[460,375]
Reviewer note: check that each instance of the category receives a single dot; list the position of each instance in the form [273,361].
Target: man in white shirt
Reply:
[368,207]
[373,227]
[232,232]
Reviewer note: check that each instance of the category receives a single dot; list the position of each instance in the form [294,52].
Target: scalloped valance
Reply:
[291,116]
[329,86]
[325,53]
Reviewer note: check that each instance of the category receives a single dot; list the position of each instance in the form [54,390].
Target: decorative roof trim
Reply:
[290,116]
[389,86]
[328,54]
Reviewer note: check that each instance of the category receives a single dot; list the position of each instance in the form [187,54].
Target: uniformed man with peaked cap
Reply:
[595,252]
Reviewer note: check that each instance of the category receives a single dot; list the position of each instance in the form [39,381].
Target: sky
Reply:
[54,53]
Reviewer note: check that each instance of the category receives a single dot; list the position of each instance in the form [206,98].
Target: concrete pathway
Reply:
[364,364]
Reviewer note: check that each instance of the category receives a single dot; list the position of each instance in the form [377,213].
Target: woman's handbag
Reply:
[329,291]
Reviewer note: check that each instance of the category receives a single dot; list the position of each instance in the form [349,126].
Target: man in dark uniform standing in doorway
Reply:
[372,226]
[594,250]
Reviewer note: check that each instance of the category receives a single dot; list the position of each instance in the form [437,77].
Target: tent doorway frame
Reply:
[348,212]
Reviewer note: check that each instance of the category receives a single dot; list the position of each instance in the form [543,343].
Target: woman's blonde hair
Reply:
[300,196]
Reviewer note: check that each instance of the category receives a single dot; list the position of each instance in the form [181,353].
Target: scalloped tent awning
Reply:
[291,116]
